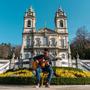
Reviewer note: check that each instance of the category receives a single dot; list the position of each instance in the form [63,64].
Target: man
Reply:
[45,68]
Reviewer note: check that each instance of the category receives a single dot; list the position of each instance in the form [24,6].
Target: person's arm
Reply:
[48,59]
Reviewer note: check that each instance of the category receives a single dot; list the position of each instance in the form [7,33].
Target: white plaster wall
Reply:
[58,63]
[62,62]
[24,40]
[61,30]
[65,53]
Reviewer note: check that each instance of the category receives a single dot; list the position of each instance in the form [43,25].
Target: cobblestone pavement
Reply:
[60,87]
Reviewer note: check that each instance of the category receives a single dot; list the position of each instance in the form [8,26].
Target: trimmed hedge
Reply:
[70,81]
[17,80]
[54,81]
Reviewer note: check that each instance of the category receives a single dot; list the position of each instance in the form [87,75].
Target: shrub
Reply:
[54,81]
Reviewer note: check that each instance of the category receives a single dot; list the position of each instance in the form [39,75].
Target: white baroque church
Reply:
[56,40]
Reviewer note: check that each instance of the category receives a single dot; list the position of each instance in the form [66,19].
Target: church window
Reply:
[26,55]
[45,41]
[62,43]
[38,52]
[53,43]
[63,56]
[38,42]
[53,52]
[61,23]
[29,23]
[28,42]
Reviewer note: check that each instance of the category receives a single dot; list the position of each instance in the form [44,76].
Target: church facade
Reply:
[56,40]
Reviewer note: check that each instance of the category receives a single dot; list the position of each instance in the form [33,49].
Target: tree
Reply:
[81,43]
[5,51]
[17,51]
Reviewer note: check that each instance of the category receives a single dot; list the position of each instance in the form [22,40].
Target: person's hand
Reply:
[47,63]
[43,59]
[37,61]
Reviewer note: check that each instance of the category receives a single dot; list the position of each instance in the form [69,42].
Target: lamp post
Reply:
[68,59]
[77,58]
[10,59]
[69,56]
[20,62]
[77,61]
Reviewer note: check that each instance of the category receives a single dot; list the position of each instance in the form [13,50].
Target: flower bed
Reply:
[62,72]
[62,76]
[18,73]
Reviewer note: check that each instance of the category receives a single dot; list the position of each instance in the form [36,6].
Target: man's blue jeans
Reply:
[47,69]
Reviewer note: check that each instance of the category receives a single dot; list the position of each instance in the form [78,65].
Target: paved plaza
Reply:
[60,87]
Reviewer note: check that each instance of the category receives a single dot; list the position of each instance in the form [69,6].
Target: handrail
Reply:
[4,67]
[84,65]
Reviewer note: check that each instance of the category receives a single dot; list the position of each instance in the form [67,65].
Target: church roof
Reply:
[60,13]
[31,9]
[30,12]
[60,9]
[47,30]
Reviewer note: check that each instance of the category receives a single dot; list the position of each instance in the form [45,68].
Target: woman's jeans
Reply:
[47,69]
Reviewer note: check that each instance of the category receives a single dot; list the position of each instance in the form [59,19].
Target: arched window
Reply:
[27,55]
[61,23]
[28,41]
[29,23]
[45,41]
[38,42]
[63,56]
[53,42]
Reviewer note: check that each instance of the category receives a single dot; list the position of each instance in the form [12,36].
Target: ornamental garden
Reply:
[61,76]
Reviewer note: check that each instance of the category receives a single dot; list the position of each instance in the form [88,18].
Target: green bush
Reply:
[17,80]
[54,81]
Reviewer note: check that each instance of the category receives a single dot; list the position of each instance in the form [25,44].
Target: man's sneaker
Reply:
[37,86]
[47,85]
